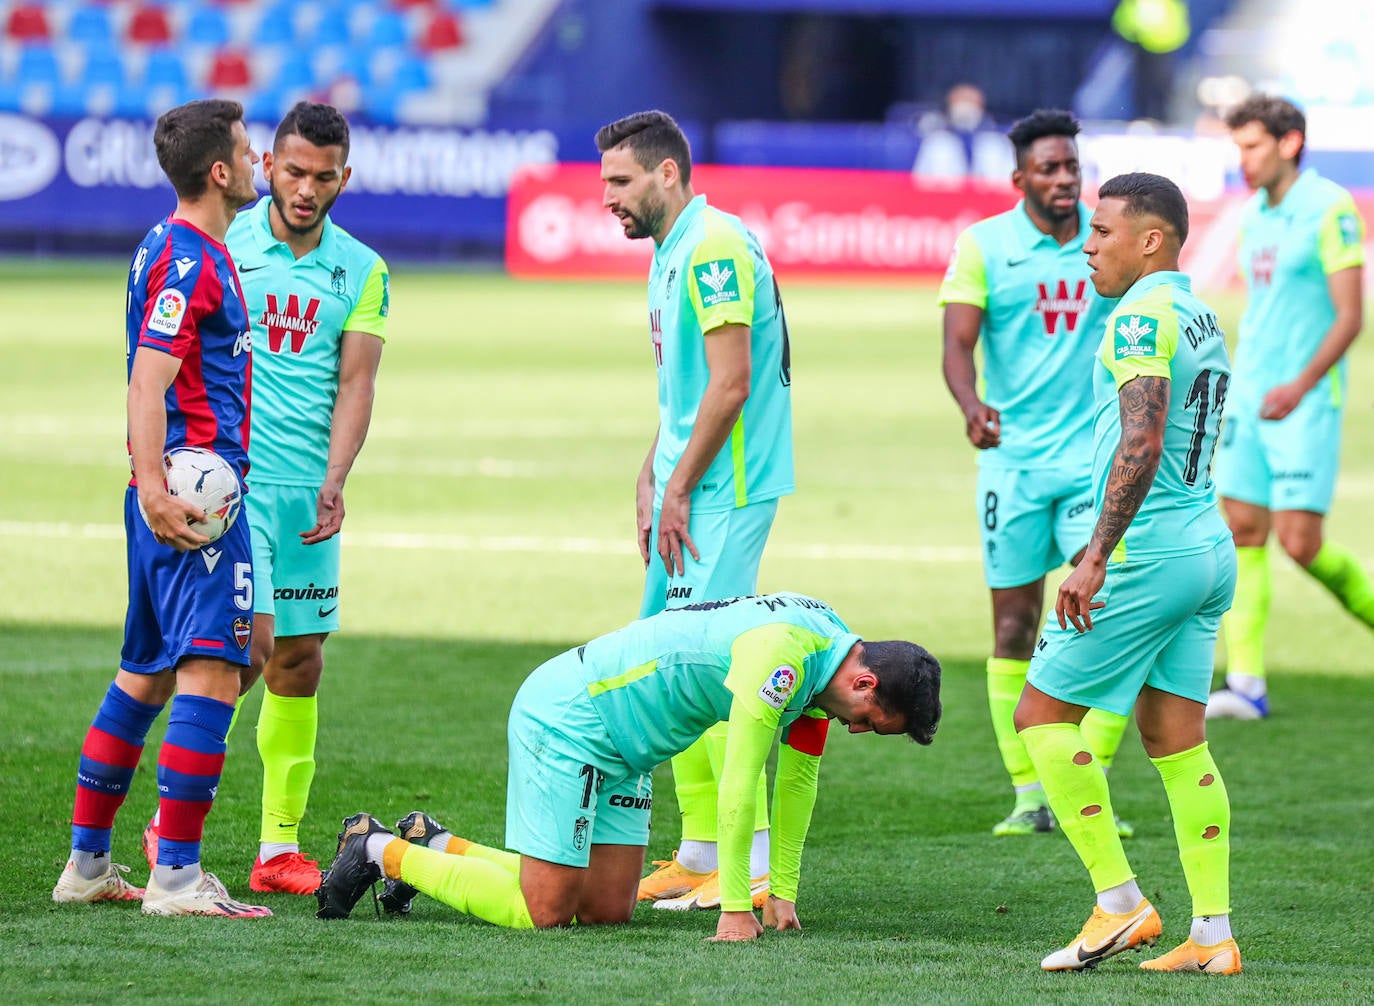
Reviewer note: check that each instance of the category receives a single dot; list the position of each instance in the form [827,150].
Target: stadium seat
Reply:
[150,26]
[444,31]
[165,68]
[28,23]
[208,26]
[389,29]
[91,25]
[229,71]
[295,74]
[332,30]
[412,75]
[38,65]
[102,68]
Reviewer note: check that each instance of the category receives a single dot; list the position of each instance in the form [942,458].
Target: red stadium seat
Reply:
[405,4]
[27,23]
[230,71]
[444,31]
[149,25]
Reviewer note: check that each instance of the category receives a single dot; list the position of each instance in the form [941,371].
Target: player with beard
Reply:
[317,299]
[1019,281]
[708,490]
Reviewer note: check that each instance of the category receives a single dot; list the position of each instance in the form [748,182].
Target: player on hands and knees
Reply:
[708,490]
[1018,281]
[188,625]
[1138,616]
[1302,255]
[587,729]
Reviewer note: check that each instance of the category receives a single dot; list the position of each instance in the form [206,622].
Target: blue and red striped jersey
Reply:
[185,300]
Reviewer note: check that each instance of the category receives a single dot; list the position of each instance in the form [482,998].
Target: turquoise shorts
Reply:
[1159,628]
[1032,520]
[297,584]
[1289,464]
[567,788]
[730,543]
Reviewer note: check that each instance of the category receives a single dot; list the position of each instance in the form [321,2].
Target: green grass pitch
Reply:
[490,525]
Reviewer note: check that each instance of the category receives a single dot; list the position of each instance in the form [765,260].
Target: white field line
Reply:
[406,541]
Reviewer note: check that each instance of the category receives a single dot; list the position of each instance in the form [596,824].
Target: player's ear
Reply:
[669,172]
[347,174]
[267,164]
[1290,143]
[1152,240]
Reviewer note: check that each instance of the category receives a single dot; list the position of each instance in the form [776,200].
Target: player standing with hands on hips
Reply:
[188,626]
[1019,281]
[708,490]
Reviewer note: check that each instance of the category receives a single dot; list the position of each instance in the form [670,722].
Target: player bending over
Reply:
[589,726]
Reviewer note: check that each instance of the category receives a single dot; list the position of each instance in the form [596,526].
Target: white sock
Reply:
[1209,930]
[376,844]
[758,854]
[270,850]
[90,865]
[1247,685]
[174,878]
[1120,899]
[439,841]
[699,857]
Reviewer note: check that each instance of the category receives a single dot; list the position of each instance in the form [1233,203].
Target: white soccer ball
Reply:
[204,478]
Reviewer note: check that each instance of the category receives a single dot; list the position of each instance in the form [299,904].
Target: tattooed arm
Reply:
[1144,403]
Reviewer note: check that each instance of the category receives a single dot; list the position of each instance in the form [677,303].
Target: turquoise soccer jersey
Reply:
[660,681]
[1041,320]
[299,310]
[1286,254]
[1159,329]
[711,271]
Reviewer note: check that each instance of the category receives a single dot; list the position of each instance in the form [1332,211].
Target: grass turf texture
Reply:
[490,525]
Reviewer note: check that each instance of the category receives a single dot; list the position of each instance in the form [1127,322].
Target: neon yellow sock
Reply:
[1102,730]
[1202,825]
[508,861]
[1082,804]
[1339,572]
[695,775]
[473,885]
[1006,681]
[1243,626]
[286,741]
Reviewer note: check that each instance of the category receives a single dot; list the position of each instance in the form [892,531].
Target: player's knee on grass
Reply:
[1302,541]
[296,666]
[1015,621]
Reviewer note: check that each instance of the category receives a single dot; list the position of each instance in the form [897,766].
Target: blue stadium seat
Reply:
[9,97]
[332,29]
[208,26]
[38,65]
[294,74]
[389,30]
[412,75]
[102,66]
[165,69]
[276,24]
[91,25]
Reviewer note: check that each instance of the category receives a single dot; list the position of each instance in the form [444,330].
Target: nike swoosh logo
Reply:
[252,268]
[326,614]
[1086,953]
[1012,262]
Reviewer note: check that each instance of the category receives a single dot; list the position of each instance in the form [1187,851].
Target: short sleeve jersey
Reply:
[184,299]
[1159,329]
[1286,254]
[299,310]
[1041,320]
[661,681]
[711,271]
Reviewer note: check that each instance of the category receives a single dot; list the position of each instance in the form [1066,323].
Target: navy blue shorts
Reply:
[186,604]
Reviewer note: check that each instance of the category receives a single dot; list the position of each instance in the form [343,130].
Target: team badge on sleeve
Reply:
[168,310]
[718,282]
[1135,336]
[1350,228]
[778,689]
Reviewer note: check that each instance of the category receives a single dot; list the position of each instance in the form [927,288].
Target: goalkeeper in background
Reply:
[588,727]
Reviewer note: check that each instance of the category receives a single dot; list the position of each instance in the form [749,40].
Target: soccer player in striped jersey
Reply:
[189,622]
[1018,282]
[1302,256]
[709,487]
[588,727]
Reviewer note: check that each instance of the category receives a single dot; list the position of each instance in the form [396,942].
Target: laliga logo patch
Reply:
[243,630]
[168,310]
[778,688]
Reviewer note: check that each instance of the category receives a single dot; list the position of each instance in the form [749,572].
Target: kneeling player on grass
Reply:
[588,727]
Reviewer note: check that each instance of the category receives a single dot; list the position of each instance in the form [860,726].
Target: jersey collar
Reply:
[1156,279]
[1290,198]
[1032,237]
[689,213]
